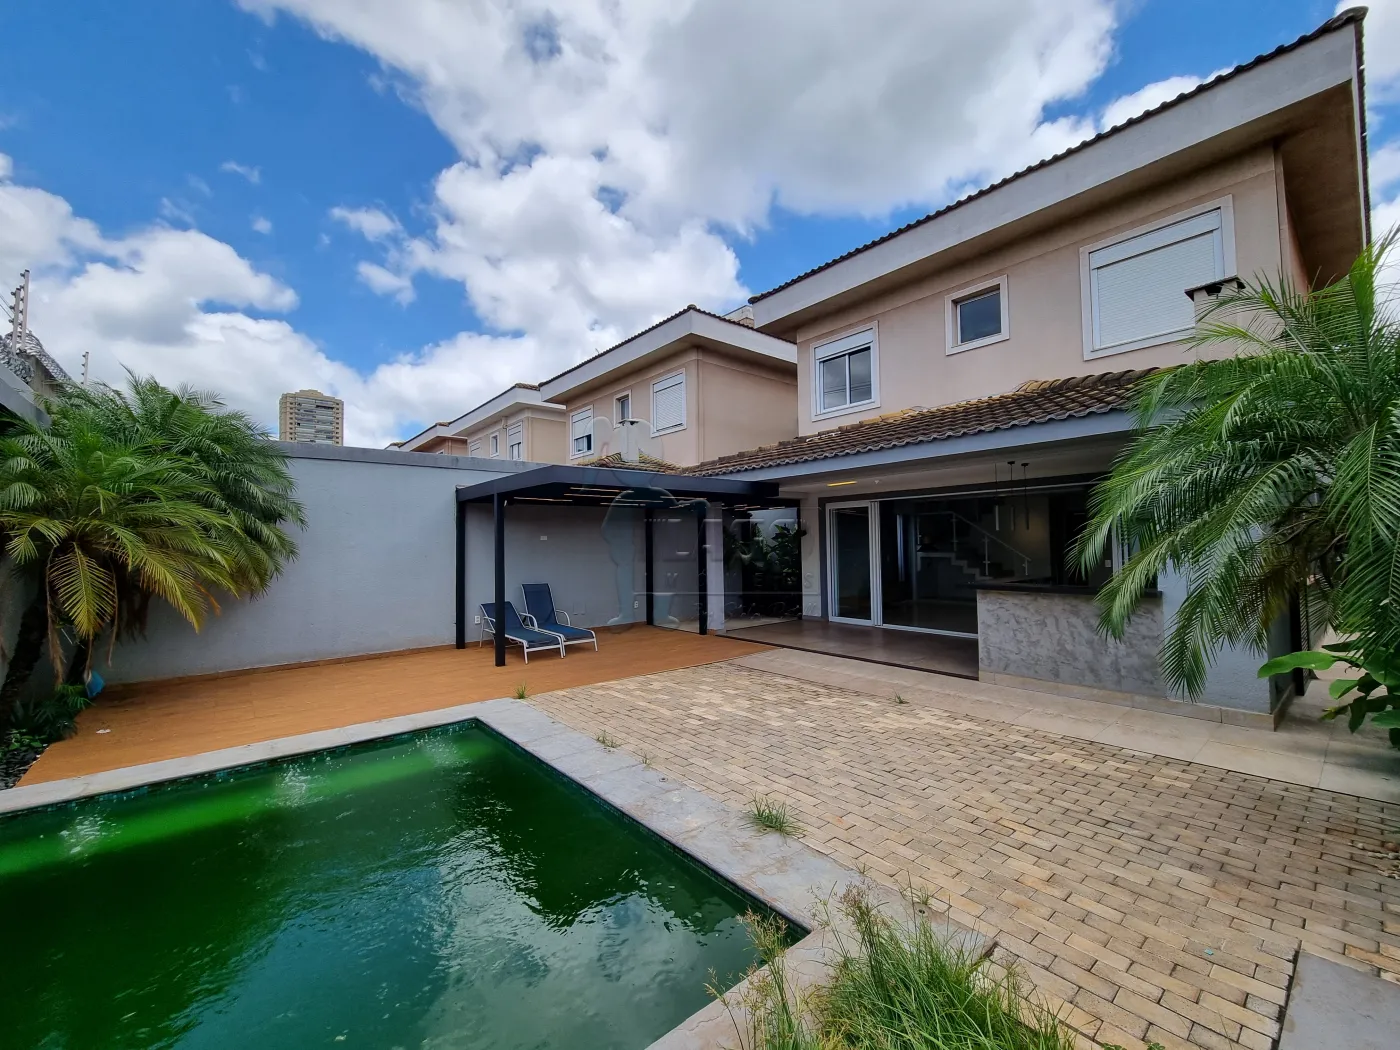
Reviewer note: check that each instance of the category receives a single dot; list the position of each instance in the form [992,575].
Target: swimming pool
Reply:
[440,890]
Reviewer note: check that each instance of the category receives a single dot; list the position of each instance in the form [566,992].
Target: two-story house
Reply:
[518,423]
[937,404]
[961,381]
[690,388]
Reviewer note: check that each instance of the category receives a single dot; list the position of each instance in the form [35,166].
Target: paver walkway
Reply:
[1147,897]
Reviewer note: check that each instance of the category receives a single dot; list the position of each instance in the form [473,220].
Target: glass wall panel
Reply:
[676,569]
[850,562]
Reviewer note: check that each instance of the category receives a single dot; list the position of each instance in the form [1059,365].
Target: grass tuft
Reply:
[894,986]
[607,741]
[520,693]
[771,815]
[899,699]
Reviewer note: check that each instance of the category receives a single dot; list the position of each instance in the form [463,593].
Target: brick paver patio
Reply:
[1146,897]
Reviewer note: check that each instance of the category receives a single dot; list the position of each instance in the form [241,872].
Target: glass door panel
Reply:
[851,576]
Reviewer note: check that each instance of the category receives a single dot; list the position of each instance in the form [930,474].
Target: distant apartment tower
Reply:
[313,417]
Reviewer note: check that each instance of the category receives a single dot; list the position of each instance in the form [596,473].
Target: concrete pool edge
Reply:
[784,874]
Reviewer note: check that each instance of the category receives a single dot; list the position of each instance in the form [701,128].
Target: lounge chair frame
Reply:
[533,621]
[527,644]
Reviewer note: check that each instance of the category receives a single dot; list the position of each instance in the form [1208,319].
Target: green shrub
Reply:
[53,717]
[769,815]
[1375,692]
[897,987]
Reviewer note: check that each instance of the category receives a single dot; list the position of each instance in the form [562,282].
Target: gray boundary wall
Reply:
[375,572]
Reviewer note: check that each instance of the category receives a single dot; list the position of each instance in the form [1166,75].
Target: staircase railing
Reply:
[987,540]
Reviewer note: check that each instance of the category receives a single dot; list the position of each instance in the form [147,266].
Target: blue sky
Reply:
[415,208]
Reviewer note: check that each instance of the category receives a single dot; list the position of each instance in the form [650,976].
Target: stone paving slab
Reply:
[1147,898]
[1335,1006]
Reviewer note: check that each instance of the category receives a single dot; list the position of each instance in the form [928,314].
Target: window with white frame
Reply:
[624,407]
[495,445]
[845,372]
[1136,287]
[474,448]
[668,403]
[581,432]
[515,441]
[977,316]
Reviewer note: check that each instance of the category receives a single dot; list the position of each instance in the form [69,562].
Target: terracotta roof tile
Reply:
[617,461]
[1037,401]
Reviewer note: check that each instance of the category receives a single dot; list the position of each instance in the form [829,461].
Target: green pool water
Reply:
[443,890]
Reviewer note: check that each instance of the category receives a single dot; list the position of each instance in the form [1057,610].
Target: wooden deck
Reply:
[188,717]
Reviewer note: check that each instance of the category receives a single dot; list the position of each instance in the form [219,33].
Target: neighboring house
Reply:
[961,380]
[690,388]
[27,374]
[519,423]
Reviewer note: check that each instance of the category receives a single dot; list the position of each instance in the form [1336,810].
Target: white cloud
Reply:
[1382,51]
[180,305]
[1382,43]
[262,224]
[247,171]
[386,282]
[1149,97]
[608,149]
[370,223]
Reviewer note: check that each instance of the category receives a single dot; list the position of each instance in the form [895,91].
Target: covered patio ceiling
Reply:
[643,490]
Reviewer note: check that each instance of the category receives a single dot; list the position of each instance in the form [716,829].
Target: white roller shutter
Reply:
[1139,285]
[581,432]
[668,403]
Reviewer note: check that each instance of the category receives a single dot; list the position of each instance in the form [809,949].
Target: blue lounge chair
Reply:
[528,638]
[540,611]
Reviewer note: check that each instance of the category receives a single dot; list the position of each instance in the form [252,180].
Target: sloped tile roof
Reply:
[1351,16]
[617,461]
[1038,401]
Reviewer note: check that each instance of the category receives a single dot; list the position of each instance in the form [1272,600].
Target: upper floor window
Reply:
[1135,288]
[474,448]
[515,441]
[624,408]
[668,403]
[495,445]
[845,372]
[977,315]
[581,433]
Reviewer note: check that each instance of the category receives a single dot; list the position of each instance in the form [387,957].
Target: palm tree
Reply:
[1271,474]
[245,473]
[126,497]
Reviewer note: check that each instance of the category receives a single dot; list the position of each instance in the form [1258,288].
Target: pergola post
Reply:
[461,562]
[648,578]
[498,504]
[702,550]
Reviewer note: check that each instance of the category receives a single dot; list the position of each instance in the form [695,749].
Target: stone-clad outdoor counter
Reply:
[1046,637]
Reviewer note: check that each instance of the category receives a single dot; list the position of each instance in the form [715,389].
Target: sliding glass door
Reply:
[916,563]
[851,543]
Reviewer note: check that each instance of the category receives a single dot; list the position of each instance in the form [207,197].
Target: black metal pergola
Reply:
[645,490]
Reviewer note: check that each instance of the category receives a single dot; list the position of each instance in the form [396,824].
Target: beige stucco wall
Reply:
[743,406]
[543,438]
[1044,300]
[730,406]
[546,439]
[678,446]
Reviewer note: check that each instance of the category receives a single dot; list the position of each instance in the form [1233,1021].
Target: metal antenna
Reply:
[21,315]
